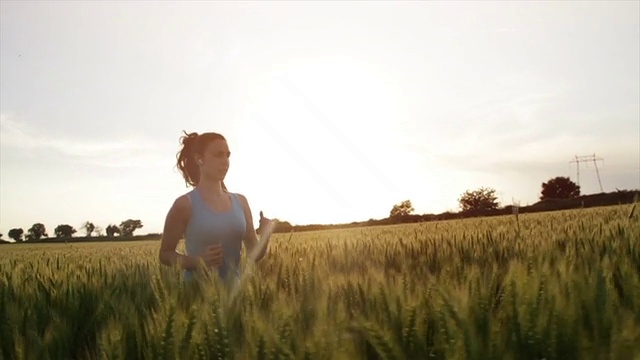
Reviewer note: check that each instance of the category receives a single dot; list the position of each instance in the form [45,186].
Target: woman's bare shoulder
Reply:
[182,205]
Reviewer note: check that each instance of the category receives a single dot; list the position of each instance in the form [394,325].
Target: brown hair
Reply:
[193,144]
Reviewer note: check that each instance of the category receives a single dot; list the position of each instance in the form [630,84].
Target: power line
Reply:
[586,159]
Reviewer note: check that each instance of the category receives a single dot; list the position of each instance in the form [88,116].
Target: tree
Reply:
[128,226]
[404,208]
[112,230]
[16,234]
[64,230]
[559,187]
[37,231]
[480,199]
[88,228]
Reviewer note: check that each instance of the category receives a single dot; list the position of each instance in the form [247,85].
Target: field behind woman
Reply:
[561,285]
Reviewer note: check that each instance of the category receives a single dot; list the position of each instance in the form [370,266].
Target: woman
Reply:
[213,221]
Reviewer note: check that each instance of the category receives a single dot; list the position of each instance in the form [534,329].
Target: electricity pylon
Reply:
[587,158]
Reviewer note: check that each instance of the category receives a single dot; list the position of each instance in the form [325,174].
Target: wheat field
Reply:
[560,285]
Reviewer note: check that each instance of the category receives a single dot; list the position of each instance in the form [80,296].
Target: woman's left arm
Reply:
[256,249]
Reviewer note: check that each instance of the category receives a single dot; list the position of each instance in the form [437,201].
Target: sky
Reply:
[333,111]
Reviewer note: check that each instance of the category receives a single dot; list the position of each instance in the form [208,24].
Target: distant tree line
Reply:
[556,194]
[485,199]
[38,231]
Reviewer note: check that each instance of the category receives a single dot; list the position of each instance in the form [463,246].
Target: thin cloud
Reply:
[108,153]
[496,125]
[508,131]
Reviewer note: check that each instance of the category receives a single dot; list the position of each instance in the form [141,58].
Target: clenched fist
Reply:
[213,256]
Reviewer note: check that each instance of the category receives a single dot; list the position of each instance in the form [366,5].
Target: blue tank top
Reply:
[208,227]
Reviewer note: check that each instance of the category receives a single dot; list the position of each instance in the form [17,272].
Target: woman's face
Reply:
[215,160]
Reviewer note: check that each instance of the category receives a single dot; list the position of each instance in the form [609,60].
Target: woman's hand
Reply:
[266,227]
[213,256]
[264,222]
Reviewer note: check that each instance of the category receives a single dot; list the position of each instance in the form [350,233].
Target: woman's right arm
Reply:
[174,228]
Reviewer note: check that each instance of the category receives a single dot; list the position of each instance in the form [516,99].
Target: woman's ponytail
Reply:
[186,161]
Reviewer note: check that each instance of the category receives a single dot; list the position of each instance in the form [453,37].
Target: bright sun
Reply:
[333,124]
